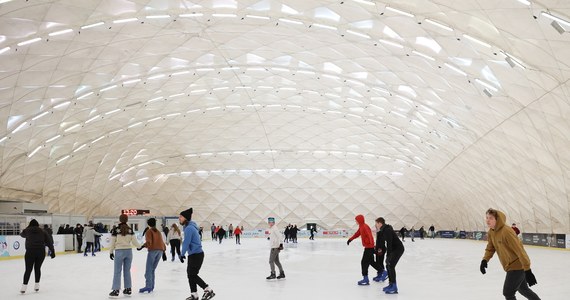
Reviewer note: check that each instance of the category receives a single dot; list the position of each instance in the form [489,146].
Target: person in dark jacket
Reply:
[79,235]
[403,232]
[36,241]
[394,250]
[368,243]
[380,251]
[221,233]
[512,256]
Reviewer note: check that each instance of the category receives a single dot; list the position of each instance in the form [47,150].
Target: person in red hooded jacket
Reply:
[365,235]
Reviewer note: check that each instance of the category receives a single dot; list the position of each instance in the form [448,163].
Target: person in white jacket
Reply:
[173,239]
[122,240]
[89,234]
[275,239]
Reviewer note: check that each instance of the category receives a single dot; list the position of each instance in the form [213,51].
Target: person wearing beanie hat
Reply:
[156,247]
[275,239]
[120,251]
[89,234]
[193,245]
[36,241]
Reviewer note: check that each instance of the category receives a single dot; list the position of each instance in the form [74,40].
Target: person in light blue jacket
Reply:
[193,245]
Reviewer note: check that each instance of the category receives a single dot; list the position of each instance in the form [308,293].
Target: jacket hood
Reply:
[359,219]
[501,220]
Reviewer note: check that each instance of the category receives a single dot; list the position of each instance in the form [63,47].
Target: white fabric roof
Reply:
[419,111]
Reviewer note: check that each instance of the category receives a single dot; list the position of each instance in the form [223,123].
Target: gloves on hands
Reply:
[52,255]
[530,279]
[163,256]
[280,246]
[348,242]
[484,266]
[112,256]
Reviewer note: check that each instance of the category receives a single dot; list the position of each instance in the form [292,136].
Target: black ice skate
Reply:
[281,275]
[114,294]
[208,295]
[127,292]
[272,276]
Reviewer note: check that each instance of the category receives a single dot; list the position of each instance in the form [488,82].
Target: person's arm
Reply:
[490,249]
[355,235]
[515,244]
[186,241]
[24,233]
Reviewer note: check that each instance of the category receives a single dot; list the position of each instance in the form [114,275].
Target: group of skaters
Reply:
[501,239]
[219,233]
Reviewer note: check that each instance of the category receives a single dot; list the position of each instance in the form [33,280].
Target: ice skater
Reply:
[365,235]
[156,247]
[380,252]
[89,234]
[173,239]
[122,240]
[192,244]
[237,234]
[394,250]
[36,241]
[276,245]
[503,240]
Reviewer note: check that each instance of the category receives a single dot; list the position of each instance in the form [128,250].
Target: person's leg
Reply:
[513,280]
[117,269]
[272,256]
[194,264]
[391,265]
[29,259]
[157,254]
[38,261]
[526,291]
[173,248]
[127,261]
[148,271]
[277,262]
[367,260]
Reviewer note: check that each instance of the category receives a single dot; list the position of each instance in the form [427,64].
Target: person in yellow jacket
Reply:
[503,240]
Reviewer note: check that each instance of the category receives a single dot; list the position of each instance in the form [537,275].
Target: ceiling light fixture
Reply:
[457,70]
[92,25]
[40,115]
[476,40]
[555,18]
[291,21]
[4,49]
[61,32]
[224,15]
[399,12]
[190,15]
[125,20]
[487,85]
[390,43]
[158,17]
[437,24]
[525,2]
[557,27]
[86,95]
[358,34]
[257,17]
[364,2]
[29,41]
[423,55]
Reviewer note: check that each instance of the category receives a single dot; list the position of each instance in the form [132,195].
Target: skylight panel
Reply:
[325,13]
[430,43]
[288,10]
[391,33]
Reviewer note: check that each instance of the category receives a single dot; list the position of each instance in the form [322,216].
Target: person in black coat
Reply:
[380,251]
[394,250]
[221,233]
[36,241]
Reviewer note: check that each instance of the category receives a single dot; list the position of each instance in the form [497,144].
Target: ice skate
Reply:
[192,297]
[208,294]
[272,276]
[281,275]
[23,289]
[127,292]
[145,289]
[387,287]
[364,280]
[392,289]
[114,294]
[37,287]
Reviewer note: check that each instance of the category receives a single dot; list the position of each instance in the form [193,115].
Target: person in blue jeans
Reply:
[122,240]
[156,247]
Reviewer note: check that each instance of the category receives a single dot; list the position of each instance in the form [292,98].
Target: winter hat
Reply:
[187,214]
[151,222]
[123,218]
[34,223]
[271,220]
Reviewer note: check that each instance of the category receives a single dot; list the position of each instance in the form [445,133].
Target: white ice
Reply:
[320,269]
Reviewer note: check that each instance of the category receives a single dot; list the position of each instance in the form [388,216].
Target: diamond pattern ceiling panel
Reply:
[420,111]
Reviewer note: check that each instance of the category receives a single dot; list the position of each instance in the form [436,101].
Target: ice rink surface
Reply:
[320,269]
